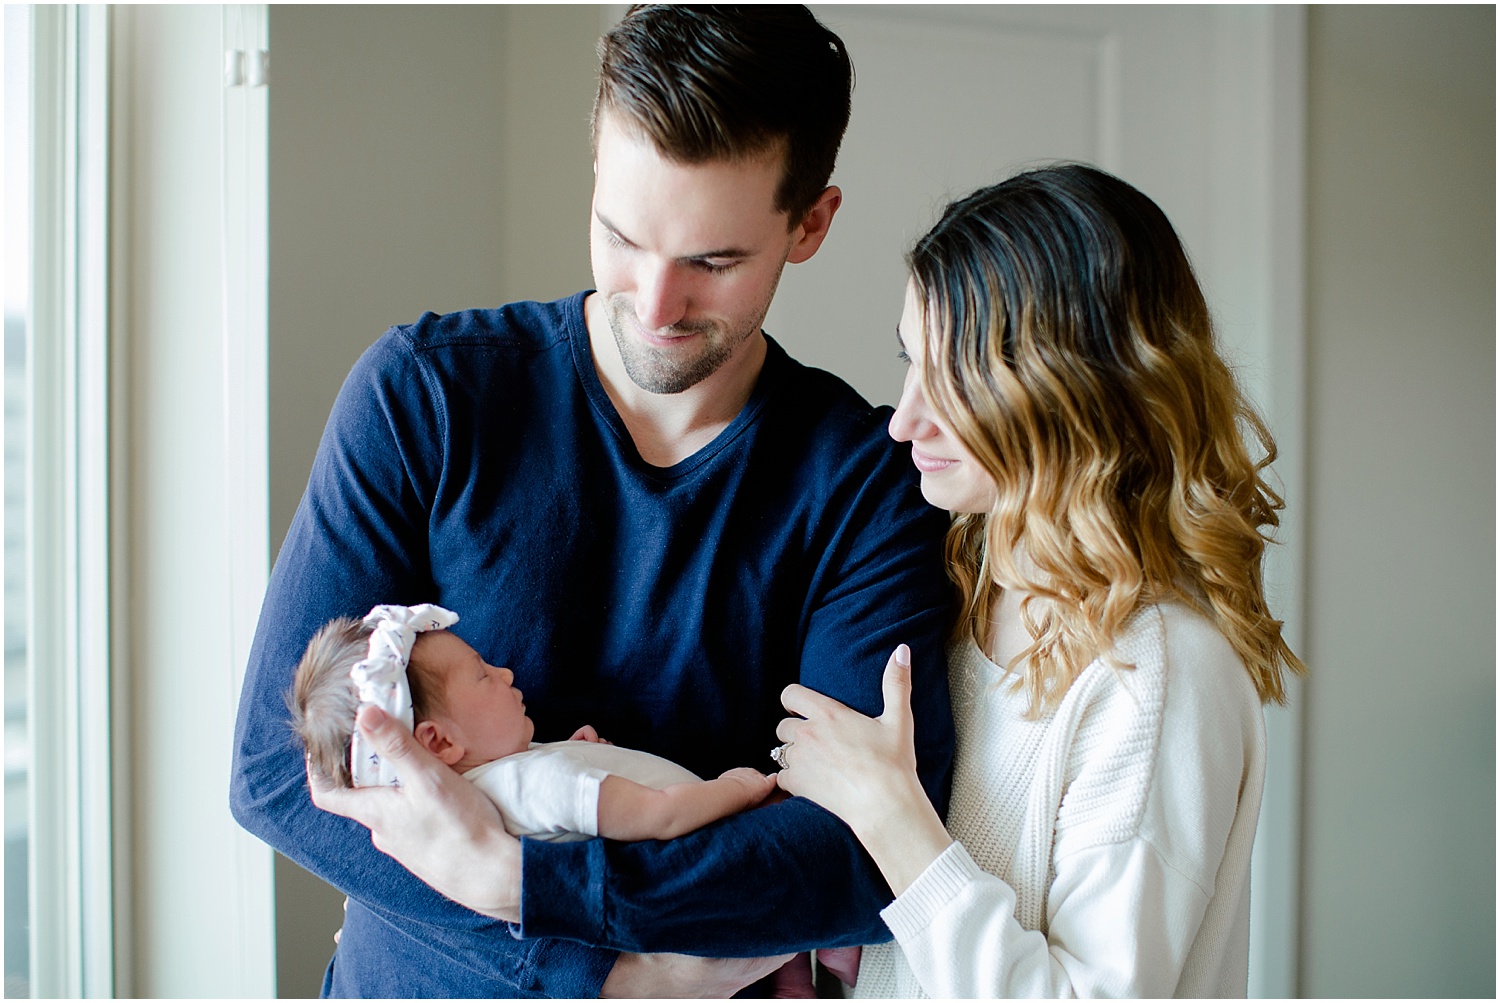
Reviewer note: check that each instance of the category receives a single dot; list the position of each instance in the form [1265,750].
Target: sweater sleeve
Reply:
[1122,922]
[1164,771]
[358,538]
[790,876]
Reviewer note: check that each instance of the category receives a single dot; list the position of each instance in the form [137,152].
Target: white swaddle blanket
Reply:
[381,679]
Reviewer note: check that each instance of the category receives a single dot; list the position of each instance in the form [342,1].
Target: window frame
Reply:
[70,725]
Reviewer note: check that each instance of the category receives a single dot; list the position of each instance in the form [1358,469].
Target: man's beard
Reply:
[668,370]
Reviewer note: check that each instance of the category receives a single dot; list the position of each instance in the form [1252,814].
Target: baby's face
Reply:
[478,699]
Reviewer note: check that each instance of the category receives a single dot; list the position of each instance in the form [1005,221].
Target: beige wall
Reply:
[438,159]
[430,158]
[1399,832]
[422,158]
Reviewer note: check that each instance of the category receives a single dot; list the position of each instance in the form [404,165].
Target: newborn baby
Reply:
[467,713]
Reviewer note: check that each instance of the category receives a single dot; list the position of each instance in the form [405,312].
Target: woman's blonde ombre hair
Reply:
[1071,350]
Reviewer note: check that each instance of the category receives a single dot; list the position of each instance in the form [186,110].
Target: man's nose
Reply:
[661,297]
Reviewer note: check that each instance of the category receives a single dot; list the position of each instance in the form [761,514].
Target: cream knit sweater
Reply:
[1103,850]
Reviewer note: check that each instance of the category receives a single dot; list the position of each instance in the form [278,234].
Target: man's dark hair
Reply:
[725,83]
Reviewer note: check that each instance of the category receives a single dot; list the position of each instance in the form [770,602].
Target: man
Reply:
[641,505]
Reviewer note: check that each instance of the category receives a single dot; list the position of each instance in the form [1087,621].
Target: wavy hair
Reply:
[1071,350]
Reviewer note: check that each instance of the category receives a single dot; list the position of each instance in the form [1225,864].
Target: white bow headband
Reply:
[381,678]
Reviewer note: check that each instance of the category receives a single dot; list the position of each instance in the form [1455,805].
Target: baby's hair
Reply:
[323,699]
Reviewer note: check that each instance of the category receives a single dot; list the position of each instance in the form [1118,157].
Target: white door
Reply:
[1199,107]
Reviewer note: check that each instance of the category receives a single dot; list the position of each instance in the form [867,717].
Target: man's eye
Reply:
[717,268]
[903,357]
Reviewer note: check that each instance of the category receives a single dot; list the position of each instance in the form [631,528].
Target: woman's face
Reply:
[951,478]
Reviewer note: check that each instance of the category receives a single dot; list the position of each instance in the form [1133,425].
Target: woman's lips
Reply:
[929,464]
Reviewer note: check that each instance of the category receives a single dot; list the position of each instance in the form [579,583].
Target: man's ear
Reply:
[808,236]
[437,739]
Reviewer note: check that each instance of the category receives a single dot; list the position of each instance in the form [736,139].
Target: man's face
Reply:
[686,256]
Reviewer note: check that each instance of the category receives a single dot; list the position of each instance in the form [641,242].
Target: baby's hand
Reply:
[588,734]
[757,784]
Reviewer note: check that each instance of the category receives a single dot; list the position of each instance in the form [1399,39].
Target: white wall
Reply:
[187,929]
[1399,832]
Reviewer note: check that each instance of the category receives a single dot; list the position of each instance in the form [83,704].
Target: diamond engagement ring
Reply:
[779,754]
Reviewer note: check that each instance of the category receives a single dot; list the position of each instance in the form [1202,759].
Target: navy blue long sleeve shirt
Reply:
[474,460]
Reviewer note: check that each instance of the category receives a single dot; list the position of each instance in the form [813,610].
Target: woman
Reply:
[1066,402]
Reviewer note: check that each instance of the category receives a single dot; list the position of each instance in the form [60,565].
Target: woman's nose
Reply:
[660,298]
[913,419]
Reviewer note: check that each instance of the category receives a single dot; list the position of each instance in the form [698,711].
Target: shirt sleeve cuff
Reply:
[554,902]
[934,889]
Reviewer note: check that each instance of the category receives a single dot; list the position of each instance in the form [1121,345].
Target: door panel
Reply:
[951,98]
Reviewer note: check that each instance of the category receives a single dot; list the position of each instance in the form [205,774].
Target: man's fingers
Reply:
[389,737]
[365,805]
[895,684]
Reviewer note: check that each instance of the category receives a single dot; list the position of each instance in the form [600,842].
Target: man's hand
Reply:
[436,824]
[678,976]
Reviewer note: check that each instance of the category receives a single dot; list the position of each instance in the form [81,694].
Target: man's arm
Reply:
[358,539]
[789,876]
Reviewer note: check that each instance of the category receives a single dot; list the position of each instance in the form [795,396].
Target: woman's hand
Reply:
[436,824]
[864,770]
[848,763]
[678,976]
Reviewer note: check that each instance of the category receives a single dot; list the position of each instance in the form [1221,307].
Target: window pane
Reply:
[17,228]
